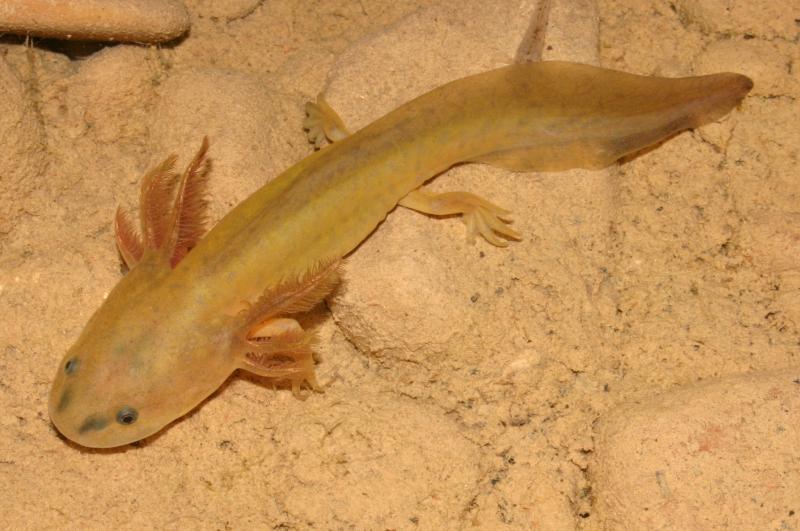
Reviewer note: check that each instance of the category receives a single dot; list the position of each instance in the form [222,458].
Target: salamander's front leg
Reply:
[282,350]
[480,216]
[276,346]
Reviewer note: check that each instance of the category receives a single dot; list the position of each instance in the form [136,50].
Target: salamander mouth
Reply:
[70,422]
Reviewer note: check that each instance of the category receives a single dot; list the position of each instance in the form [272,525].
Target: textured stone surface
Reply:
[22,162]
[722,455]
[462,383]
[144,21]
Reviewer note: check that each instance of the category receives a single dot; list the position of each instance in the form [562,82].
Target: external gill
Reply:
[168,231]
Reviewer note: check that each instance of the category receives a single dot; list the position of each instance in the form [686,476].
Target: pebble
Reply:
[142,21]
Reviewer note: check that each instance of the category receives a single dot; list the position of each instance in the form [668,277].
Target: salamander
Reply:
[195,307]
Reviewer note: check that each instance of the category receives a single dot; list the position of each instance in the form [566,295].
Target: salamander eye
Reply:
[71,365]
[127,415]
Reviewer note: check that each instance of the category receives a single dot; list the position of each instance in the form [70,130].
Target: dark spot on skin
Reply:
[66,398]
[93,423]
[71,365]
[127,415]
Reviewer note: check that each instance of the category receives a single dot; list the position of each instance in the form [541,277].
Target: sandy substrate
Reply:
[633,363]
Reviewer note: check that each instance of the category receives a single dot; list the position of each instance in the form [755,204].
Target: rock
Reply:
[145,21]
[22,134]
[228,10]
[720,455]
[766,20]
[772,241]
[106,98]
[248,125]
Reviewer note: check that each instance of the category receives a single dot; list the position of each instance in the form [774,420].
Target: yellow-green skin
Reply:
[162,341]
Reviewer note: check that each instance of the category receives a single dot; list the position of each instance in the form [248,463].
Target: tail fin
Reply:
[579,116]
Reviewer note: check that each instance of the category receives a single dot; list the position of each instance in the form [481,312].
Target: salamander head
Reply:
[98,398]
[139,364]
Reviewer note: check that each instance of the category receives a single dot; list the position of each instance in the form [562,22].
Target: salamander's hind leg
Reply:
[323,123]
[480,216]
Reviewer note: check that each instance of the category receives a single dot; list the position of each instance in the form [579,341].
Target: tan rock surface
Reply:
[23,135]
[723,455]
[462,382]
[142,21]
